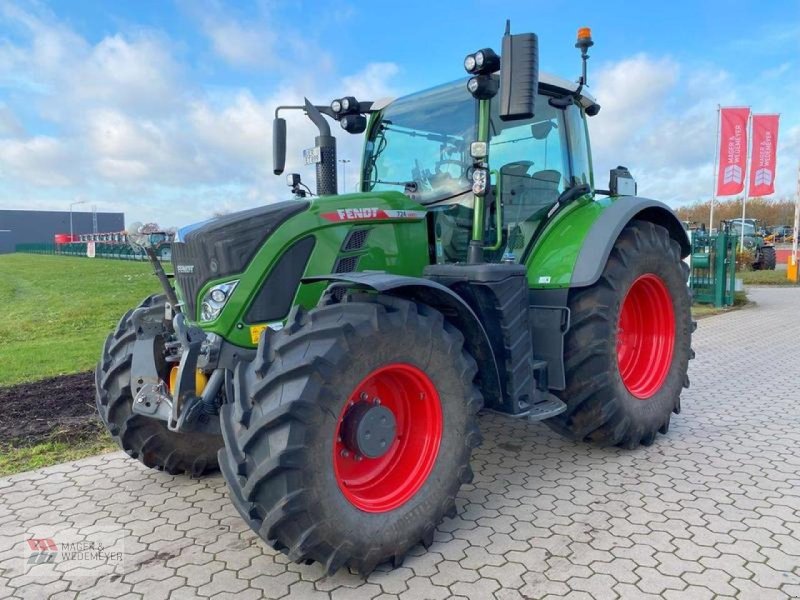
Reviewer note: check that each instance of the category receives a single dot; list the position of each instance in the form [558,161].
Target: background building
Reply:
[39,226]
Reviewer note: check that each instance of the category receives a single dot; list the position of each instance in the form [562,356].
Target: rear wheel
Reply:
[767,259]
[627,351]
[144,438]
[351,433]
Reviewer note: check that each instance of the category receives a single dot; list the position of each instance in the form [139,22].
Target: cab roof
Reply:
[547,80]
[554,81]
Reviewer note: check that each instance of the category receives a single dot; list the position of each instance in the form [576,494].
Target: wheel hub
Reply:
[369,429]
[646,336]
[387,437]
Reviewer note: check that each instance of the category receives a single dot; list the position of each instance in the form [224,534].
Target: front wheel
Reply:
[144,438]
[629,344]
[351,433]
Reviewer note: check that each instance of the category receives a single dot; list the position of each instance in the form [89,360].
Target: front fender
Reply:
[455,310]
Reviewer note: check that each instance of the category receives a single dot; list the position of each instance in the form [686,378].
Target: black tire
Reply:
[600,407]
[767,261]
[144,438]
[279,431]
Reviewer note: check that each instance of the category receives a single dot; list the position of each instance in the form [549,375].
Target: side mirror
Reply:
[519,75]
[278,145]
[621,182]
[541,130]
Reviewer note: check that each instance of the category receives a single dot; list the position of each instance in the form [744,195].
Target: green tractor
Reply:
[751,240]
[330,354]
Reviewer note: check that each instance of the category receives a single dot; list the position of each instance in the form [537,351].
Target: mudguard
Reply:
[601,236]
[443,299]
[574,247]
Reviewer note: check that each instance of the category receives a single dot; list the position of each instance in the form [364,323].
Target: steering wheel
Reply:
[449,161]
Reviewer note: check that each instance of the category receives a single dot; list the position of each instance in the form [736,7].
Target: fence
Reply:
[102,250]
[713,269]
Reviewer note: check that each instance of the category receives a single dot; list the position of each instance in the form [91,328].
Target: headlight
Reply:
[215,299]
[482,87]
[336,106]
[479,178]
[470,63]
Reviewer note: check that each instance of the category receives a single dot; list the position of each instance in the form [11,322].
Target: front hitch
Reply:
[183,410]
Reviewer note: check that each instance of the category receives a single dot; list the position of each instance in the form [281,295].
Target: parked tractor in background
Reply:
[331,353]
[760,254]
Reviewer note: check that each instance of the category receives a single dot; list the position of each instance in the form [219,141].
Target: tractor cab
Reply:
[422,144]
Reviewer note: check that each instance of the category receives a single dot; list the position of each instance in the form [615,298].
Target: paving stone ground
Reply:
[712,510]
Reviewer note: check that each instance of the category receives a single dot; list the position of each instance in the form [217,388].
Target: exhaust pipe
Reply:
[326,167]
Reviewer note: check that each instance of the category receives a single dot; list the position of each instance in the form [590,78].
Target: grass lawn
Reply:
[58,310]
[764,278]
[27,458]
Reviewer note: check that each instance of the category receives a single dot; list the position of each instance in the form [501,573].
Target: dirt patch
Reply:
[55,409]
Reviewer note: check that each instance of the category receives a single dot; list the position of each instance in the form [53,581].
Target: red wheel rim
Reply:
[646,336]
[382,484]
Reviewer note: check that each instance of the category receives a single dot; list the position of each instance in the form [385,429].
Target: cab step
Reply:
[548,406]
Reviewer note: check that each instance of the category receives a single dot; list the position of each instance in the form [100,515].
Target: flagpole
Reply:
[796,217]
[714,174]
[746,189]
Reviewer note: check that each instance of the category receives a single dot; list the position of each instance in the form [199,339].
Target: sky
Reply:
[163,108]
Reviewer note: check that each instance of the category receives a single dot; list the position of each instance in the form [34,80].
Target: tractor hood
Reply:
[224,246]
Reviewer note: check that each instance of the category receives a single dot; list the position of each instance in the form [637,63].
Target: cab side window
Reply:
[531,160]
[581,158]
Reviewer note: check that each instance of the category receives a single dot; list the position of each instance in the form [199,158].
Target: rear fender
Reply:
[455,310]
[574,247]
[604,232]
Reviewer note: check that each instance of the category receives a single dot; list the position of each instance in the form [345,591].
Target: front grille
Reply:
[224,247]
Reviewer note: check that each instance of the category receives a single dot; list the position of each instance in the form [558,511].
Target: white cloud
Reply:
[10,125]
[41,160]
[240,45]
[373,81]
[236,132]
[137,74]
[632,94]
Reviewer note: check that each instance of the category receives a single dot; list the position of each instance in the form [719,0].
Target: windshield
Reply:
[422,141]
[749,228]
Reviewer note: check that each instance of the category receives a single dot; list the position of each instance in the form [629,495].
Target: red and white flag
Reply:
[732,151]
[763,154]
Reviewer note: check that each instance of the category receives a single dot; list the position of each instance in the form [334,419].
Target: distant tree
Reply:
[768,211]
